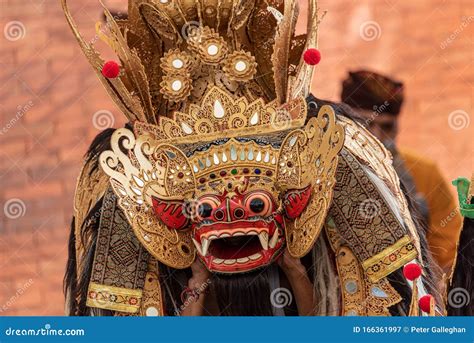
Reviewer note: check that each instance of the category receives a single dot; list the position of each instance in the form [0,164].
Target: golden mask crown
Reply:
[171,52]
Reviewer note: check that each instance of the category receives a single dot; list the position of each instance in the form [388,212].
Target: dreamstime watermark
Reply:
[282,120]
[45,331]
[191,208]
[370,30]
[19,292]
[459,120]
[189,296]
[104,28]
[103,119]
[14,30]
[377,110]
[107,203]
[313,105]
[369,208]
[21,110]
[14,208]
[464,23]
[281,297]
[191,30]
[449,217]
[458,297]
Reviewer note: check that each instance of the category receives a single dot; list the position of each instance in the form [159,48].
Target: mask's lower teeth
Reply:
[241,260]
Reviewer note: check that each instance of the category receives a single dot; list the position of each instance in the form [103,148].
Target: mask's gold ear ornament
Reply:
[308,158]
[149,171]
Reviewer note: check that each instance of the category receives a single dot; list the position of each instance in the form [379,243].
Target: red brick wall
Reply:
[42,145]
[49,98]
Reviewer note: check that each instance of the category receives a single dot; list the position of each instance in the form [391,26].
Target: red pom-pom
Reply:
[312,56]
[111,69]
[425,303]
[412,271]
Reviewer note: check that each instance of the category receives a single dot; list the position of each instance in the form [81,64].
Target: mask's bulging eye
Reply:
[259,203]
[206,206]
[204,210]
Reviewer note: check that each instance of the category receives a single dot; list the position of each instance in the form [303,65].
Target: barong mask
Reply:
[220,160]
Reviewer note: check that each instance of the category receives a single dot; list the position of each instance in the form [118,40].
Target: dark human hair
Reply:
[461,289]
[77,275]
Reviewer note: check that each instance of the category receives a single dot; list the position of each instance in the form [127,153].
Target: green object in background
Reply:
[466,208]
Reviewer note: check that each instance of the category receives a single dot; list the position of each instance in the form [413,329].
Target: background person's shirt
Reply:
[444,219]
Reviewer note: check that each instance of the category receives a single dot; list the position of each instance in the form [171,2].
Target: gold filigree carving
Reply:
[152,301]
[211,30]
[177,62]
[360,295]
[176,87]
[300,84]
[219,112]
[150,171]
[90,187]
[310,157]
[210,47]
[240,66]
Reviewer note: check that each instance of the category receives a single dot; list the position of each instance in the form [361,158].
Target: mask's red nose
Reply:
[229,211]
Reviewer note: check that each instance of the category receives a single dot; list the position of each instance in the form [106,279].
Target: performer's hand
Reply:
[302,287]
[292,266]
[197,285]
[200,274]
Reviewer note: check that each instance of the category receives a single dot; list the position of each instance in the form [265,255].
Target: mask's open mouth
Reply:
[247,246]
[236,247]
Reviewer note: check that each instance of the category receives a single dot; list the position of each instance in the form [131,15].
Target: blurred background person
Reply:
[379,99]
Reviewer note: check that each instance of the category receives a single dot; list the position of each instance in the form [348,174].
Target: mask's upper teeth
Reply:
[274,239]
[205,246]
[198,246]
[263,237]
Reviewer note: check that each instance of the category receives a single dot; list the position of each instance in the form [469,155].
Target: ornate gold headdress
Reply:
[171,51]
[216,92]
